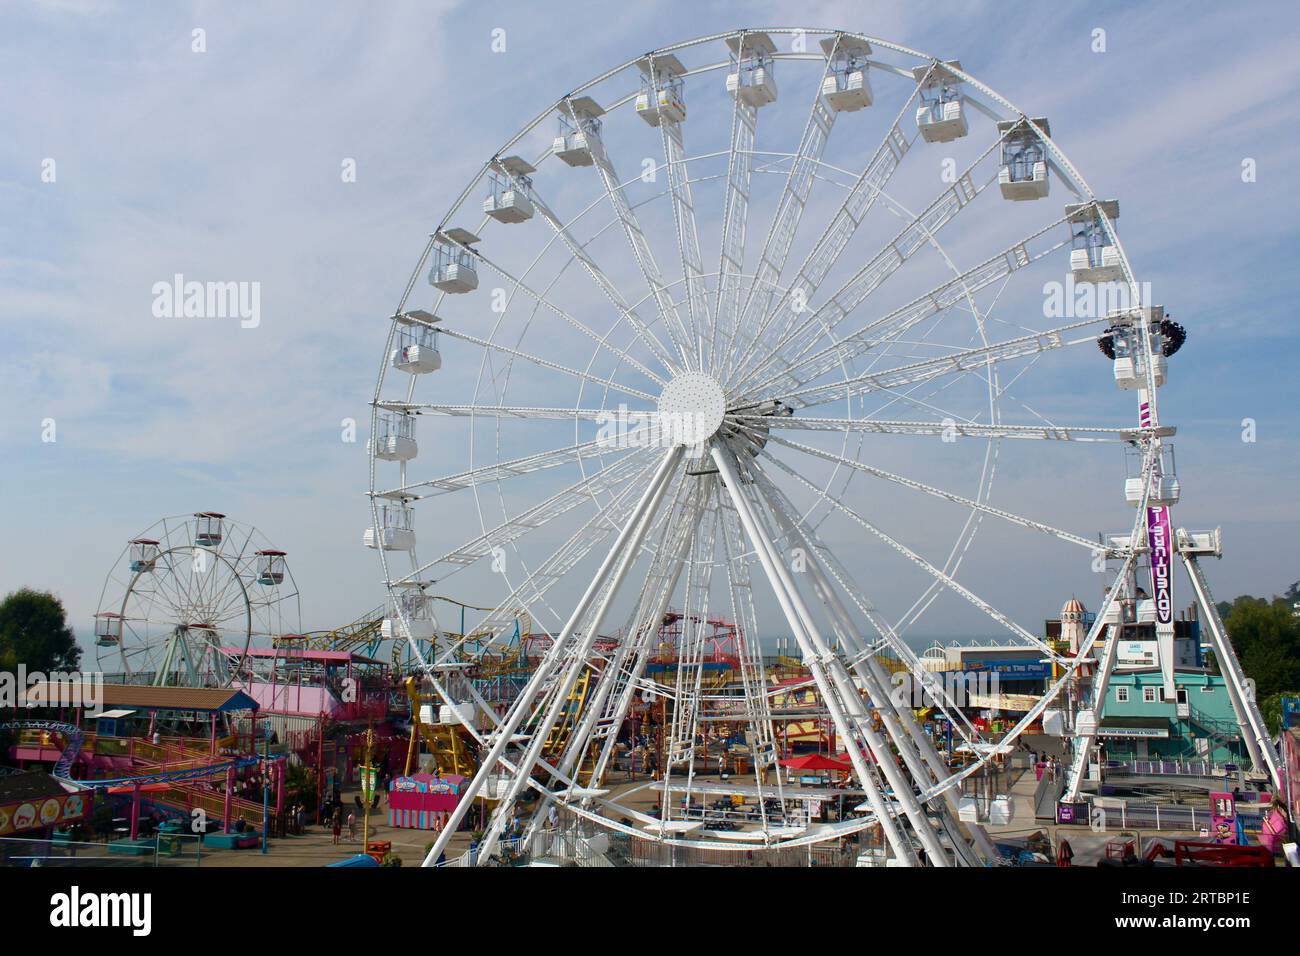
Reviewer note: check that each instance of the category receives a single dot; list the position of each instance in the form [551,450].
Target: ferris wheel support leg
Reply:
[1083,743]
[638,652]
[635,526]
[896,723]
[645,646]
[814,654]
[614,570]
[1254,731]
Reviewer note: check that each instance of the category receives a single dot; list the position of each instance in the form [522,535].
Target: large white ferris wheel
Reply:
[780,370]
[189,599]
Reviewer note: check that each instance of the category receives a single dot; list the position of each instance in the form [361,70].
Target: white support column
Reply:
[630,540]
[1254,732]
[853,706]
[907,736]
[901,846]
[635,523]
[1083,743]
[630,658]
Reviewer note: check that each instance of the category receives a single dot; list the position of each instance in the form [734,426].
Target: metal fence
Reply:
[1166,768]
[585,845]
[164,849]
[1163,816]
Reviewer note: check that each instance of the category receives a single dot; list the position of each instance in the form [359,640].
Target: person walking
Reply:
[352,826]
[337,822]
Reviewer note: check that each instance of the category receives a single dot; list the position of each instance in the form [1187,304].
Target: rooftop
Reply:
[138,696]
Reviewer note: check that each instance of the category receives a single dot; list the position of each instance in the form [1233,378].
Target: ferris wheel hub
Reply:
[691,408]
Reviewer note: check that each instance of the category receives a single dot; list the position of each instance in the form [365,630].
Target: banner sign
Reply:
[1019,668]
[1162,580]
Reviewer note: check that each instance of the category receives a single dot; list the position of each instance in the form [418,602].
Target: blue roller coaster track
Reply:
[73,736]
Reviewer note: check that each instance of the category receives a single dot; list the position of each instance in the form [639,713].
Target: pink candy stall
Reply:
[423,801]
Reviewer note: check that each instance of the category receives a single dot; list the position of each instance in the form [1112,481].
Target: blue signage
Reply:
[1290,711]
[1022,669]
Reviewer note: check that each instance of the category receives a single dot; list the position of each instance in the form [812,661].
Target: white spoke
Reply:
[910,240]
[480,546]
[688,239]
[958,362]
[523,412]
[939,493]
[638,328]
[735,214]
[610,290]
[919,561]
[948,430]
[515,467]
[545,363]
[789,211]
[645,260]
[804,367]
[843,226]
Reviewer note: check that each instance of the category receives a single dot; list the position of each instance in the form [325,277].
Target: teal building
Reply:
[1138,722]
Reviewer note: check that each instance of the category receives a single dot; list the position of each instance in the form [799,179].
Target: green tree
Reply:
[1266,637]
[34,631]
[1271,709]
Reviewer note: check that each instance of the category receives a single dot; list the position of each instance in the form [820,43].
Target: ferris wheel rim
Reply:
[476,181]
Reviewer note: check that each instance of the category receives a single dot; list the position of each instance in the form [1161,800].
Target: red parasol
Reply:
[814,762]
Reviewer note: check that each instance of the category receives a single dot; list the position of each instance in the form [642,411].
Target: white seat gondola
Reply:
[108,629]
[511,198]
[396,530]
[847,87]
[409,603]
[941,117]
[1093,256]
[394,438]
[1200,543]
[453,265]
[1165,489]
[1023,173]
[1127,333]
[144,555]
[751,77]
[270,567]
[1120,612]
[661,99]
[207,529]
[580,132]
[416,349]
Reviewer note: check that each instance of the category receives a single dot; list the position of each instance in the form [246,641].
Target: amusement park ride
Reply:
[721,412]
[189,599]
[699,442]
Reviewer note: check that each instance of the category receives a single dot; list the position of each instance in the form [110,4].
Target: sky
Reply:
[128,157]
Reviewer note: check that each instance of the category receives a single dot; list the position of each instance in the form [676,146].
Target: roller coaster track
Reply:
[363,632]
[73,736]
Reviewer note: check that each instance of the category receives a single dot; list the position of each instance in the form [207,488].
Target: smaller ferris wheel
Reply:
[189,599]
